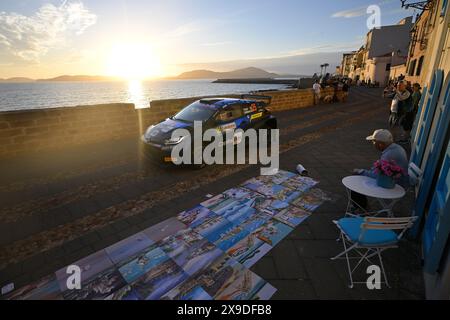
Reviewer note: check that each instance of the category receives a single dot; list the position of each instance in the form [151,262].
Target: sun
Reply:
[133,61]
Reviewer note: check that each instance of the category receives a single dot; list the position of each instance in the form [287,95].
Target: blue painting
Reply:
[195,216]
[145,262]
[214,228]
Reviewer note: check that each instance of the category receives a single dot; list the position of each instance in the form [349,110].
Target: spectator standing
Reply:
[416,96]
[316,89]
[335,85]
[411,112]
[401,104]
[345,88]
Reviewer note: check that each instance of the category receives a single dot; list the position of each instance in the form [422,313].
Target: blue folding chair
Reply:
[368,237]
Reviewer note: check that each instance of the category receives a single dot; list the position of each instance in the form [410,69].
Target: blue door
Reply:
[437,144]
[419,114]
[437,225]
[423,129]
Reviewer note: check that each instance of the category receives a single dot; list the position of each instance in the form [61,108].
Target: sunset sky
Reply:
[145,38]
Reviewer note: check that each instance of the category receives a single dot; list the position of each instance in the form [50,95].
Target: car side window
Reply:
[230,113]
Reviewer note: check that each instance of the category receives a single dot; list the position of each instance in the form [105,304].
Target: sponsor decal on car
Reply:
[154,132]
[228,126]
[256,116]
[170,159]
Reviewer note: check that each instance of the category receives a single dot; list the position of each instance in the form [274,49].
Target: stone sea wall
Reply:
[38,130]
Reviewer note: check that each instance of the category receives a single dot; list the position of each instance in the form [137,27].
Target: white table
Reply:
[367,186]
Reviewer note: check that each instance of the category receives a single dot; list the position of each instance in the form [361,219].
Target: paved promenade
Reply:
[58,208]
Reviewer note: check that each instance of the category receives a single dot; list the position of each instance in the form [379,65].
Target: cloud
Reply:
[216,44]
[351,13]
[326,48]
[356,12]
[31,37]
[197,25]
[184,29]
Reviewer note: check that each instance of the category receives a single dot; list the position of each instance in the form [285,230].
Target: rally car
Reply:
[222,114]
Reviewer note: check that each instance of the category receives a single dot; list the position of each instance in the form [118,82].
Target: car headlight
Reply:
[147,132]
[174,140]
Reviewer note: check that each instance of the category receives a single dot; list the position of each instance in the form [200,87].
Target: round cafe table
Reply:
[367,186]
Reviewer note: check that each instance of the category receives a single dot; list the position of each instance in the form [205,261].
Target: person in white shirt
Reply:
[316,89]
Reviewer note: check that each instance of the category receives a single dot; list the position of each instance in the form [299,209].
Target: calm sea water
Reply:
[19,96]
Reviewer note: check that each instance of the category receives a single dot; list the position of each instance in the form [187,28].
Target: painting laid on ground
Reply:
[202,254]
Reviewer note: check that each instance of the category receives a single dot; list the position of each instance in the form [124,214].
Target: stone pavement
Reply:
[58,208]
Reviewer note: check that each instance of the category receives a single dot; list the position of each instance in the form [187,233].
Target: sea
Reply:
[38,95]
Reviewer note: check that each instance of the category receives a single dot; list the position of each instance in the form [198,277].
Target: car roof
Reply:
[220,103]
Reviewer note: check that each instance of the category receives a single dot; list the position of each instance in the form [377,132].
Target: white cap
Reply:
[381,135]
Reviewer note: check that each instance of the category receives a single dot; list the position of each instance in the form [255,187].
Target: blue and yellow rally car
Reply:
[250,111]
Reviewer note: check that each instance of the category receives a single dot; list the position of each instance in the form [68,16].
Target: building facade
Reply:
[420,38]
[378,69]
[346,64]
[357,66]
[397,71]
[386,46]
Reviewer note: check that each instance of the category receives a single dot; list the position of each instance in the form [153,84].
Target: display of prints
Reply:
[201,254]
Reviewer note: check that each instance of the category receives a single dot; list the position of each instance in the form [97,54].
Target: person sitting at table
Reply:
[383,141]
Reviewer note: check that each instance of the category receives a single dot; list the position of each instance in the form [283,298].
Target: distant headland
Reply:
[64,78]
[245,73]
[250,72]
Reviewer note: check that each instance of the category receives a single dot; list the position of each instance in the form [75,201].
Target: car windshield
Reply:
[195,112]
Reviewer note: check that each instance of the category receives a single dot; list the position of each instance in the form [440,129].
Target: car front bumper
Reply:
[156,152]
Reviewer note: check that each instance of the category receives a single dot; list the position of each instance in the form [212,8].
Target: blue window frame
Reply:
[431,166]
[424,126]
[437,226]
[419,113]
[444,8]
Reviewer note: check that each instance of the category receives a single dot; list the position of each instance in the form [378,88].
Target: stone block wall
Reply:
[36,130]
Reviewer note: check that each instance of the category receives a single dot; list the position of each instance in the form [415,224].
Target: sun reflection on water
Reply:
[136,94]
[137,97]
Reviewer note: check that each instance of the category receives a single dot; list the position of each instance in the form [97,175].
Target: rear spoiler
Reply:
[256,97]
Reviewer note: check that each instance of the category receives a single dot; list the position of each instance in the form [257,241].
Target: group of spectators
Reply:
[329,81]
[367,83]
[404,106]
